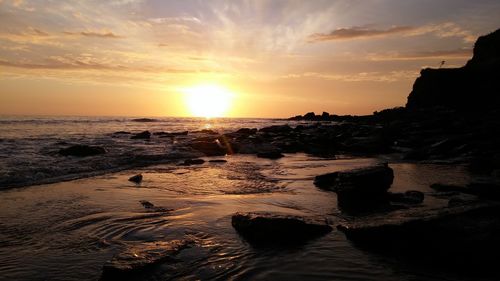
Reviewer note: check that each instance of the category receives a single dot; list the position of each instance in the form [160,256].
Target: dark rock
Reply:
[447,187]
[146,120]
[270,155]
[140,257]
[408,197]
[277,129]
[247,131]
[189,162]
[151,207]
[217,161]
[142,135]
[136,178]
[268,228]
[454,228]
[209,148]
[122,133]
[358,182]
[146,204]
[82,150]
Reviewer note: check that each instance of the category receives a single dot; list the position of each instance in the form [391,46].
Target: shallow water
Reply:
[67,231]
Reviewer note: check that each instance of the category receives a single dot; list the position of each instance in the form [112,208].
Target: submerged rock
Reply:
[82,150]
[136,178]
[271,228]
[142,135]
[151,207]
[139,257]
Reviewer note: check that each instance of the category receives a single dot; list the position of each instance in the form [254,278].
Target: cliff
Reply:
[473,87]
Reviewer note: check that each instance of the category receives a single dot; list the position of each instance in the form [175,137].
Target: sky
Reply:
[273,58]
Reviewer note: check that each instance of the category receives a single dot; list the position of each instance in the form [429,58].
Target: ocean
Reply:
[29,145]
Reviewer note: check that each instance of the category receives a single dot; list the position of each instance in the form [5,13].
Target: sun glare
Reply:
[208,100]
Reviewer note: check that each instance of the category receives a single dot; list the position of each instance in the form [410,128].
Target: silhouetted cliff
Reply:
[474,87]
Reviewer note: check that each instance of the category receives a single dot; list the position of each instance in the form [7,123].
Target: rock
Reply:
[408,197]
[207,132]
[146,204]
[454,228]
[270,155]
[247,131]
[146,120]
[447,187]
[358,182]
[151,207]
[142,135]
[271,228]
[122,133]
[217,161]
[277,129]
[209,148]
[189,162]
[136,178]
[82,150]
[139,257]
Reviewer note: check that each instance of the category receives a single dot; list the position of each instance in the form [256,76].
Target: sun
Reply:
[208,100]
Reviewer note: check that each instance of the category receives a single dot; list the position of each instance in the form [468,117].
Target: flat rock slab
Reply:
[270,228]
[475,222]
[141,256]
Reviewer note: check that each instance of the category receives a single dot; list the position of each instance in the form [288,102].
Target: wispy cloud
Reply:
[98,34]
[442,30]
[462,53]
[358,32]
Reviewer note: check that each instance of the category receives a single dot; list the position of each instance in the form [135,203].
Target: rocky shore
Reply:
[452,116]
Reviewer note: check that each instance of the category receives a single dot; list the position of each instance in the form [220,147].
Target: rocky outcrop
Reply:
[272,228]
[473,87]
[80,150]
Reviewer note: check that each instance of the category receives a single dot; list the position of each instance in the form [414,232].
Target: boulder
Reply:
[272,228]
[362,182]
[80,150]
[142,135]
[209,148]
[136,178]
[139,257]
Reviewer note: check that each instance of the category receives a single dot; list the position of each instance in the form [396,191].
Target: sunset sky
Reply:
[273,58]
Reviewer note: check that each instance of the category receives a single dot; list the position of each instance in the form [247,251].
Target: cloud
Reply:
[441,30]
[462,53]
[171,20]
[98,34]
[357,32]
